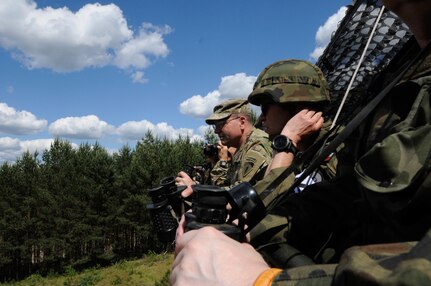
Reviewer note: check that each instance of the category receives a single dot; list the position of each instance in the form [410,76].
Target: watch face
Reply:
[280,142]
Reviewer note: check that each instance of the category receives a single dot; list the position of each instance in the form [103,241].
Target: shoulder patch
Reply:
[248,167]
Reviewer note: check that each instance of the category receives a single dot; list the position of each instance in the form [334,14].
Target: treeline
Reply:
[83,207]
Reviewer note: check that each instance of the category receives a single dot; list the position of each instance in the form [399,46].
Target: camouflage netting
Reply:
[339,60]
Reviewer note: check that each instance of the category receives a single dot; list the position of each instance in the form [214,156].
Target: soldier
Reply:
[292,95]
[233,124]
[390,191]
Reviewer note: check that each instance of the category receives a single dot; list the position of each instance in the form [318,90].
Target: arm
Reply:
[297,129]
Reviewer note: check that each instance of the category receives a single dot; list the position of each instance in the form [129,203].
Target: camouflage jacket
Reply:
[271,227]
[407,263]
[387,200]
[218,174]
[251,159]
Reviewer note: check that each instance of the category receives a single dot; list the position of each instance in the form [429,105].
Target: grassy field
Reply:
[151,270]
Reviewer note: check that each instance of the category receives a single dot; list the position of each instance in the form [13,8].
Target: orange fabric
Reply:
[266,277]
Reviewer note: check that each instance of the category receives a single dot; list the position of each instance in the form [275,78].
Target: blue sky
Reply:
[108,71]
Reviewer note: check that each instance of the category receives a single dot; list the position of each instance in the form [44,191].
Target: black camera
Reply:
[166,208]
[211,150]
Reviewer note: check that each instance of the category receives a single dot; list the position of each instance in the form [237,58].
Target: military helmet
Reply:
[290,81]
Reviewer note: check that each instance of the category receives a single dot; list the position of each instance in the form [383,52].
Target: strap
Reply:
[347,131]
[267,277]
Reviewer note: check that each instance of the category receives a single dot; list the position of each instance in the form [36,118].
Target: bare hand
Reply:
[302,125]
[222,151]
[208,257]
[183,179]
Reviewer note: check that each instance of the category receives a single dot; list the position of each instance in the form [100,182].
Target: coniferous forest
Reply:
[82,207]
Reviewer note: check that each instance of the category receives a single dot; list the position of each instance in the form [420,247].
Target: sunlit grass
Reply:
[151,270]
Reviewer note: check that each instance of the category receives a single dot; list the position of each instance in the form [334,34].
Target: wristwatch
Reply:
[282,143]
[223,163]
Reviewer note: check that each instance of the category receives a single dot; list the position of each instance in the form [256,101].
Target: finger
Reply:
[317,114]
[187,192]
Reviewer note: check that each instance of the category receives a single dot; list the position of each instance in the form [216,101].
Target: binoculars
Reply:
[166,208]
[209,208]
[211,150]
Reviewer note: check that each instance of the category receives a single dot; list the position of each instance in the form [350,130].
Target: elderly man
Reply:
[233,124]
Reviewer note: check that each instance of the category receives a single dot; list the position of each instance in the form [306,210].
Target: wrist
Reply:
[267,277]
[294,138]
[223,163]
[282,143]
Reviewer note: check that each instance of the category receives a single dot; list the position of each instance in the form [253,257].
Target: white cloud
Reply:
[138,77]
[324,33]
[12,148]
[200,106]
[135,130]
[203,129]
[232,86]
[38,145]
[64,41]
[236,86]
[86,127]
[19,122]
[134,53]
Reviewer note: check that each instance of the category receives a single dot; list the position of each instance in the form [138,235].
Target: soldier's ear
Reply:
[243,120]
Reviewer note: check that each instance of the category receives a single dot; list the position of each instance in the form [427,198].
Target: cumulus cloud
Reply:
[64,41]
[13,148]
[19,122]
[135,130]
[324,33]
[85,127]
[149,42]
[232,86]
[138,77]
[203,129]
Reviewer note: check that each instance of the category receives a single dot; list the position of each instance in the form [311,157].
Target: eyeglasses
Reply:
[219,125]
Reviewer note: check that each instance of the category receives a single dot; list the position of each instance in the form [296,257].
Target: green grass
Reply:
[151,270]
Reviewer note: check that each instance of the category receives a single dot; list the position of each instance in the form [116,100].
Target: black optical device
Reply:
[211,150]
[166,208]
[209,208]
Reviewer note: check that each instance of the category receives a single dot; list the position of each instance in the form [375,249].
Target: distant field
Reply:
[151,270]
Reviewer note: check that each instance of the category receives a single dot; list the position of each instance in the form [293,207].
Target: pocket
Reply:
[396,166]
[393,164]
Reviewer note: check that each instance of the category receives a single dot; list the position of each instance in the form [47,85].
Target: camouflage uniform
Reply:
[387,200]
[288,82]
[218,174]
[251,159]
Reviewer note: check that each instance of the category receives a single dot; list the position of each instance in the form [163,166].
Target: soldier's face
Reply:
[273,117]
[229,131]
